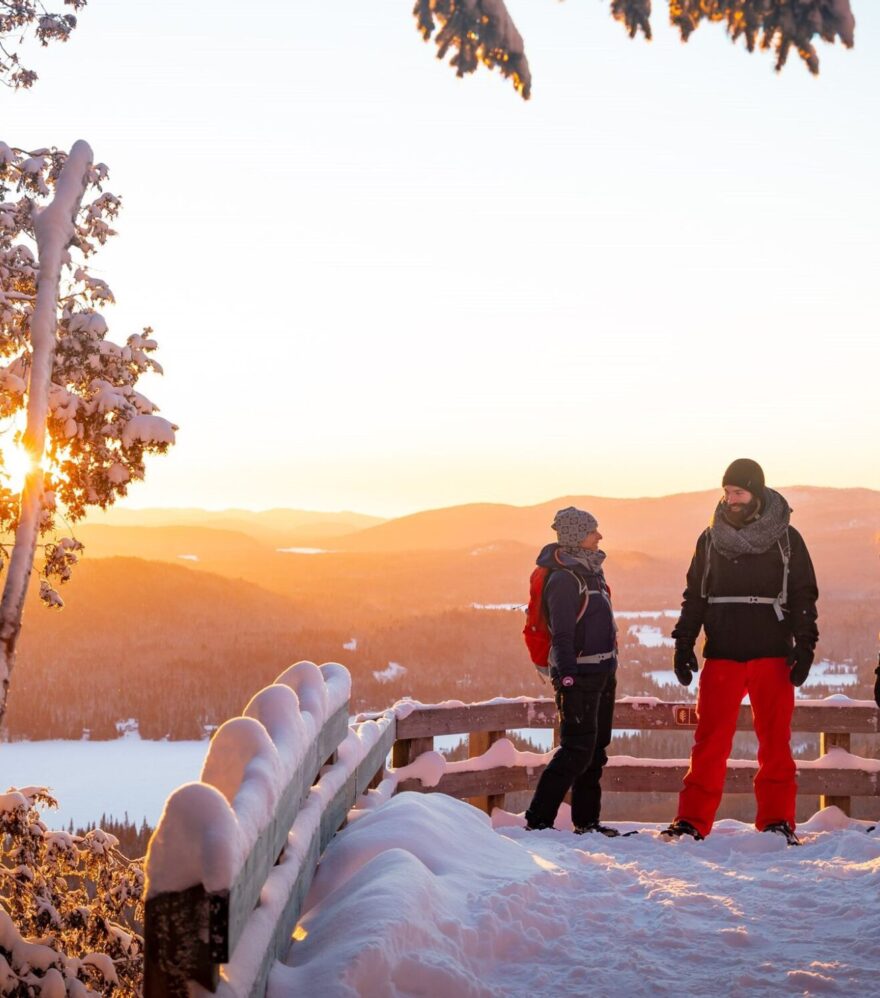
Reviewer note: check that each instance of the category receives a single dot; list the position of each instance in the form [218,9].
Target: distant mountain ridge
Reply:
[660,526]
[648,540]
[269,525]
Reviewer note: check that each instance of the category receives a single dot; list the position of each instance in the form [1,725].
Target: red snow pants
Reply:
[723,684]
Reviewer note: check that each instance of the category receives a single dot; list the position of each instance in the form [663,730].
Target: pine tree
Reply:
[483,32]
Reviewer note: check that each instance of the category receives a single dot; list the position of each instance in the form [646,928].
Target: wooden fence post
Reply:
[479,743]
[407,750]
[829,740]
[180,935]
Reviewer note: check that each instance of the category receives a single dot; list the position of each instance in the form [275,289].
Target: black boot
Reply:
[594,826]
[538,826]
[534,823]
[678,828]
[783,828]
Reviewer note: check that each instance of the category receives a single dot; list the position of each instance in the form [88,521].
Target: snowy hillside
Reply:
[422,896]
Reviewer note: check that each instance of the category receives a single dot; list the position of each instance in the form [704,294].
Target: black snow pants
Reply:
[586,712]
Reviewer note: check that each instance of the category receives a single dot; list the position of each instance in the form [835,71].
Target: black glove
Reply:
[800,658]
[877,683]
[684,663]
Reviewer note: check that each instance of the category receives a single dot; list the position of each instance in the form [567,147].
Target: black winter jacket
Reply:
[593,634]
[740,631]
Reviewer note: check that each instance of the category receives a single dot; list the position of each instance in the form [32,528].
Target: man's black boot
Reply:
[678,828]
[783,828]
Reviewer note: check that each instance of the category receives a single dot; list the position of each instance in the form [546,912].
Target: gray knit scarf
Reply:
[756,537]
[569,557]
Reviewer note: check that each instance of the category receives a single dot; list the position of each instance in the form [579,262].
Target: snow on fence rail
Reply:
[495,768]
[234,854]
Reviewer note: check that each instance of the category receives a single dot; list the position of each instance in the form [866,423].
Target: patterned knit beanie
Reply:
[572,526]
[745,474]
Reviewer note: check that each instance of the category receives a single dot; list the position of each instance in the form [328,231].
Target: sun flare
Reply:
[15,465]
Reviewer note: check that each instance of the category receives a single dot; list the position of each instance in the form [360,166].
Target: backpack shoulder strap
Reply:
[583,590]
[784,543]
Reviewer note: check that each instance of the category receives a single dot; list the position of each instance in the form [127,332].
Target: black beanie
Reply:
[745,474]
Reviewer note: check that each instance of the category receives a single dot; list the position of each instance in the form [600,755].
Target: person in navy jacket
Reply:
[582,668]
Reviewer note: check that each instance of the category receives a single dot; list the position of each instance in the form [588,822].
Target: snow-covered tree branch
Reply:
[69,906]
[482,31]
[87,428]
[18,18]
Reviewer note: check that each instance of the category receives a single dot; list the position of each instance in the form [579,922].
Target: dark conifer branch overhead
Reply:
[483,31]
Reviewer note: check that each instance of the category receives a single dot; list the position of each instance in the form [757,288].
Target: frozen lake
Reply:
[129,775]
[94,778]
[823,673]
[649,636]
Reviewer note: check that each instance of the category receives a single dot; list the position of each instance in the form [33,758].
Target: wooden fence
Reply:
[486,723]
[190,934]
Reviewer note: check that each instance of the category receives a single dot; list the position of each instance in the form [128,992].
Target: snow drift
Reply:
[422,896]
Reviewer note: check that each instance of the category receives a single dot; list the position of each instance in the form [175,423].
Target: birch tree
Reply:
[74,430]
[482,32]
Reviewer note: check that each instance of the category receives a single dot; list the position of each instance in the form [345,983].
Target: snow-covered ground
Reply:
[649,636]
[421,896]
[89,779]
[394,670]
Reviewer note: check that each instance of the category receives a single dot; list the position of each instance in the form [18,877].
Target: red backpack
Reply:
[536,633]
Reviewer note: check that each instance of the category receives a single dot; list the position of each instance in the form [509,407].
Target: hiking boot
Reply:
[783,828]
[539,826]
[594,826]
[678,828]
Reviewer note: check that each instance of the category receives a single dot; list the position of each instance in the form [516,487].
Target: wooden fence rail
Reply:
[189,934]
[485,723]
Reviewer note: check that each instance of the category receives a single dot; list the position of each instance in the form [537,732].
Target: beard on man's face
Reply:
[738,513]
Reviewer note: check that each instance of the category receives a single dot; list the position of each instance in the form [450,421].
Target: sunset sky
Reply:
[378,287]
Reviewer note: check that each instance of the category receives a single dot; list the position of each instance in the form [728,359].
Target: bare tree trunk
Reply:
[54,227]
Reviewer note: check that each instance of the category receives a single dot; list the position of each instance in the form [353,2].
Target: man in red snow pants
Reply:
[751,587]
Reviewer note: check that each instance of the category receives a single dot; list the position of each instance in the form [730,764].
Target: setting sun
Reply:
[15,464]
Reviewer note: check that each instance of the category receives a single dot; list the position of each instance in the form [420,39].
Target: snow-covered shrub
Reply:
[70,907]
